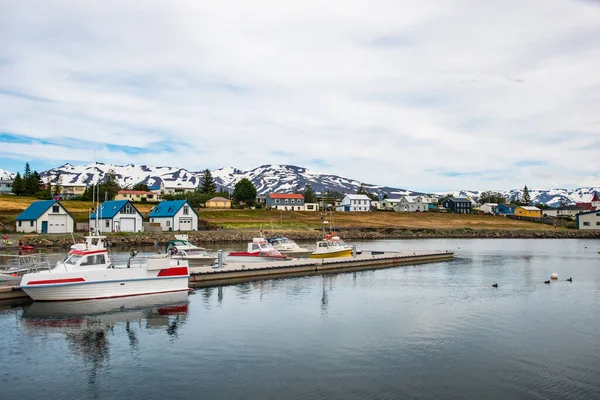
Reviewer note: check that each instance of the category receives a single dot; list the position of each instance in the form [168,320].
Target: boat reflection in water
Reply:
[167,310]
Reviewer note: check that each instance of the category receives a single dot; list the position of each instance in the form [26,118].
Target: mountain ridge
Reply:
[269,178]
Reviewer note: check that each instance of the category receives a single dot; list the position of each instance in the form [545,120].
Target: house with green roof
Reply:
[117,216]
[175,215]
[45,216]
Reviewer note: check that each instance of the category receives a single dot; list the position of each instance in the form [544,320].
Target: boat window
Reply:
[95,259]
[254,247]
[73,259]
[322,244]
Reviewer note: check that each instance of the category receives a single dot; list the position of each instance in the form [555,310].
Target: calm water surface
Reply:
[434,331]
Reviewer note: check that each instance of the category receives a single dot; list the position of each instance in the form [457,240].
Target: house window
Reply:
[55,208]
[286,201]
[168,223]
[586,224]
[20,223]
[107,223]
[597,223]
[30,223]
[128,209]
[186,210]
[276,201]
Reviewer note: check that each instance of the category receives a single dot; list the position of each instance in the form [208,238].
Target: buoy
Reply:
[495,285]
[548,282]
[554,276]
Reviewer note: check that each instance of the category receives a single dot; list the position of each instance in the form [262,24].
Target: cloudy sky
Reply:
[423,95]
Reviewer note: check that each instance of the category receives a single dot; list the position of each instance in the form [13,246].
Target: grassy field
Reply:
[11,206]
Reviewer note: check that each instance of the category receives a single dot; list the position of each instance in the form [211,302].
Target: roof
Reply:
[459,199]
[585,206]
[134,192]
[587,212]
[35,210]
[154,187]
[490,204]
[358,197]
[218,199]
[507,205]
[169,208]
[595,198]
[109,209]
[286,196]
[529,208]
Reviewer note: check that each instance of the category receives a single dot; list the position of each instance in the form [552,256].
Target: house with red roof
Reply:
[594,204]
[285,201]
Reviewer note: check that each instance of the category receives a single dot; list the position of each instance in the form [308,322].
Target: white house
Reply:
[47,216]
[171,187]
[311,206]
[117,216]
[388,204]
[175,215]
[488,208]
[411,204]
[588,220]
[355,202]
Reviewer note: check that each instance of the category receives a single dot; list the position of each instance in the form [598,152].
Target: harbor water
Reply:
[432,331]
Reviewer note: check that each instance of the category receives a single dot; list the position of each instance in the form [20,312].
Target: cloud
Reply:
[418,96]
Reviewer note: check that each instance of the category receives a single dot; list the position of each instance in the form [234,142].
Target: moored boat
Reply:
[288,247]
[331,246]
[258,250]
[181,249]
[88,273]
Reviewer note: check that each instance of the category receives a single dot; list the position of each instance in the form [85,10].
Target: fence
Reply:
[542,220]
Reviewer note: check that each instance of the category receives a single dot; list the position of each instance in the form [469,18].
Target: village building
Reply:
[528,211]
[171,187]
[6,186]
[488,208]
[567,211]
[388,204]
[355,202]
[46,216]
[117,216]
[138,195]
[175,215]
[458,205]
[505,209]
[594,204]
[218,202]
[282,201]
[411,204]
[588,219]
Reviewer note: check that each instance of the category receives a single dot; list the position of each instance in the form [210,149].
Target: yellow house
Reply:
[218,202]
[138,195]
[528,211]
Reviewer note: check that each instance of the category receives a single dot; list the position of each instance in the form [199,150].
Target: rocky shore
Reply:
[207,237]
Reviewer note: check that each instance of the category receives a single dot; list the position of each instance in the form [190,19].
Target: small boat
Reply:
[181,249]
[26,248]
[330,247]
[18,265]
[288,247]
[258,250]
[88,273]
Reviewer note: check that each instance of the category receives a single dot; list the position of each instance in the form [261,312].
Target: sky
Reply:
[427,96]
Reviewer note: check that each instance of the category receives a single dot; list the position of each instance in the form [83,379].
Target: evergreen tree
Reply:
[309,194]
[18,185]
[140,186]
[109,188]
[526,199]
[207,182]
[244,192]
[32,182]
[56,187]
[362,190]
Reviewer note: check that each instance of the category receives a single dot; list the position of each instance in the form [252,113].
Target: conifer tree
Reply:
[207,182]
[526,198]
[18,186]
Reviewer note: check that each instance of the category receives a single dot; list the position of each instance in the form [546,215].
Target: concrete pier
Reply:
[232,273]
[238,272]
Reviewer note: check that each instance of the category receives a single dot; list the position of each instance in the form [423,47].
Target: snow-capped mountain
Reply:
[275,178]
[549,197]
[5,175]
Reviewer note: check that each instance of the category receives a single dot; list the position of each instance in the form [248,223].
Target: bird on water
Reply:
[548,282]
[495,285]
[570,279]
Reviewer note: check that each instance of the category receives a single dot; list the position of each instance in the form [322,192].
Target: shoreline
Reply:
[223,236]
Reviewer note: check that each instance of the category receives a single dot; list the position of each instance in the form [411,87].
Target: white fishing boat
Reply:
[18,265]
[288,247]
[88,273]
[181,249]
[258,250]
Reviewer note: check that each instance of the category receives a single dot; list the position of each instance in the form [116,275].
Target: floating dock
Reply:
[231,273]
[243,272]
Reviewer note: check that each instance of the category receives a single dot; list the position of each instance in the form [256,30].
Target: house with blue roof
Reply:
[505,209]
[175,215]
[117,216]
[46,216]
